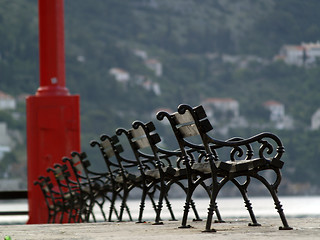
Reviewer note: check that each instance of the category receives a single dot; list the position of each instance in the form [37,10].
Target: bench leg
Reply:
[243,191]
[112,206]
[277,203]
[186,211]
[216,186]
[211,209]
[197,217]
[163,192]
[196,214]
[142,205]
[173,218]
[123,206]
[219,218]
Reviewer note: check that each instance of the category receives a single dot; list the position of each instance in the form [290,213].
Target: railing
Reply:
[13,195]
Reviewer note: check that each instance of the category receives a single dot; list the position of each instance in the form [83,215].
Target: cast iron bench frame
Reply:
[189,122]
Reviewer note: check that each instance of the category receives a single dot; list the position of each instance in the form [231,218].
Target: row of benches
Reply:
[200,162]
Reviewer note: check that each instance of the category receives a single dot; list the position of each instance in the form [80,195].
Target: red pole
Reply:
[53,115]
[51,45]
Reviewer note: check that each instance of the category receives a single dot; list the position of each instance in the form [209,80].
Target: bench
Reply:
[121,182]
[145,165]
[52,198]
[73,205]
[93,186]
[248,157]
[159,168]
[201,161]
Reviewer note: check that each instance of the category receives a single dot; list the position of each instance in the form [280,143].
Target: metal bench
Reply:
[121,181]
[93,186]
[53,200]
[247,157]
[74,206]
[160,168]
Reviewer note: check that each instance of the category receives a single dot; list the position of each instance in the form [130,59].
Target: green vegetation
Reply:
[188,38]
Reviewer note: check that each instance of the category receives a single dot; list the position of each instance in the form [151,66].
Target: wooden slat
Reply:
[189,130]
[142,142]
[136,133]
[183,118]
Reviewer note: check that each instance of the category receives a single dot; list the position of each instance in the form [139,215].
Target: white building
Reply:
[304,54]
[223,105]
[141,54]
[152,86]
[155,66]
[3,151]
[5,140]
[277,111]
[120,75]
[278,116]
[315,120]
[7,101]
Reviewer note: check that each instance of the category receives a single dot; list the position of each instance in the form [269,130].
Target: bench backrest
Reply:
[188,122]
[143,140]
[46,188]
[62,175]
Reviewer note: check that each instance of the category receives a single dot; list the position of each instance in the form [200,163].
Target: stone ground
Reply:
[303,228]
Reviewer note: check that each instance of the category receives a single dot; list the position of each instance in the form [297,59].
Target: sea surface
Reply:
[297,206]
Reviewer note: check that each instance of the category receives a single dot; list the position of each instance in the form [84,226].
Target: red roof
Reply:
[271,103]
[5,96]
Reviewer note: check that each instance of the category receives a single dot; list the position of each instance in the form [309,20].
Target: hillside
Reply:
[191,39]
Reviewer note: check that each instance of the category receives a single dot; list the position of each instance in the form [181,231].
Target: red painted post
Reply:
[53,115]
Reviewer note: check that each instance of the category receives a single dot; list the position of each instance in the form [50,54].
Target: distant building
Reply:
[304,54]
[152,86]
[315,120]
[278,117]
[277,111]
[5,140]
[141,54]
[155,66]
[224,114]
[222,105]
[7,101]
[120,75]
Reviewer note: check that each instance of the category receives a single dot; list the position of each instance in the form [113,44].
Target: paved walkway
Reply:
[303,228]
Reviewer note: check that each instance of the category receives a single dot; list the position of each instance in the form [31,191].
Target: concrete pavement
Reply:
[303,228]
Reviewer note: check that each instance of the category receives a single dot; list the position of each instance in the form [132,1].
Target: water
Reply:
[303,206]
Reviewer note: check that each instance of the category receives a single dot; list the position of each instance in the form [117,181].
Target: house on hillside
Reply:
[304,54]
[315,120]
[155,66]
[277,115]
[7,101]
[120,75]
[277,112]
[5,140]
[152,86]
[141,54]
[222,106]
[224,114]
